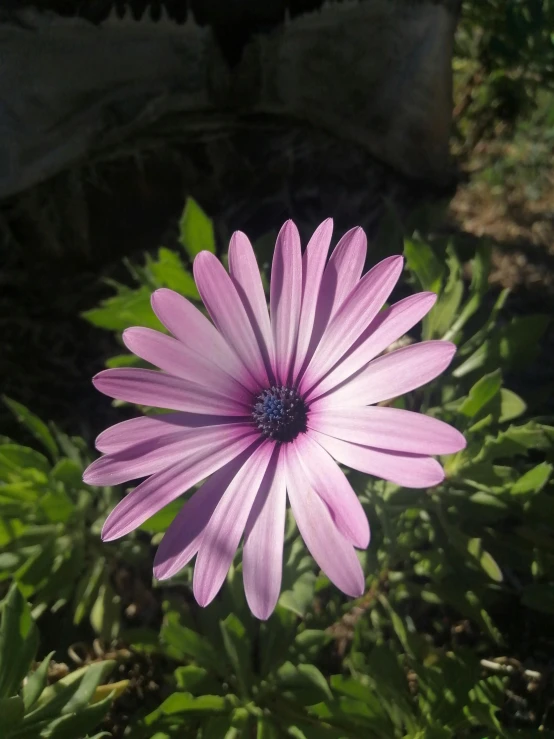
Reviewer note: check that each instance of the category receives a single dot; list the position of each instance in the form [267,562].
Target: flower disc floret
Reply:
[280,413]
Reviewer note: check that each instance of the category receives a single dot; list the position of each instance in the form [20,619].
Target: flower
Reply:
[265,408]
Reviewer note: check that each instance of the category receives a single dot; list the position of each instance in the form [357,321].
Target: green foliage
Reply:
[49,527]
[432,648]
[29,707]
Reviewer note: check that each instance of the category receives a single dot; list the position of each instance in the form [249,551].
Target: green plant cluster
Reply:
[452,637]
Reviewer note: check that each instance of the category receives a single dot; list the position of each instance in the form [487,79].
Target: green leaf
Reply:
[196,680]
[196,231]
[444,312]
[205,705]
[36,683]
[16,458]
[38,428]
[18,642]
[422,261]
[533,481]
[12,711]
[170,272]
[160,521]
[88,589]
[77,724]
[70,694]
[185,642]
[266,729]
[481,393]
[237,646]
[511,406]
[303,684]
[105,614]
[69,472]
[128,308]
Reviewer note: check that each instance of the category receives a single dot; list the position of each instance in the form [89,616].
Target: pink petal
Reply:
[145,428]
[174,357]
[182,540]
[156,389]
[354,315]
[386,328]
[391,375]
[262,558]
[285,297]
[157,491]
[330,483]
[313,264]
[389,428]
[341,275]
[227,311]
[195,331]
[330,549]
[408,470]
[222,534]
[245,274]
[159,453]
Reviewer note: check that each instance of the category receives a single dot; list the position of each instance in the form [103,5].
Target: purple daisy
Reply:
[266,408]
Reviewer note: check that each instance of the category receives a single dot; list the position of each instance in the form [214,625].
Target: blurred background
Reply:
[135,134]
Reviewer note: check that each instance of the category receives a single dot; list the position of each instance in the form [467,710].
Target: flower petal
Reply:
[350,320]
[145,428]
[174,357]
[182,539]
[245,275]
[262,558]
[313,264]
[389,428]
[330,549]
[227,311]
[386,328]
[341,275]
[156,389]
[224,530]
[157,454]
[195,331]
[408,470]
[391,375]
[157,491]
[330,483]
[285,297]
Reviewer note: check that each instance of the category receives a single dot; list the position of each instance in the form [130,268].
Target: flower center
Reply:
[280,413]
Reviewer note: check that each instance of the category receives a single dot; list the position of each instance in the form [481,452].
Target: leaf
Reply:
[72,693]
[205,705]
[443,314]
[77,724]
[196,231]
[18,642]
[16,458]
[185,642]
[422,261]
[38,428]
[36,683]
[196,680]
[511,406]
[128,308]
[481,393]
[170,272]
[105,614]
[303,684]
[515,346]
[12,711]
[161,520]
[532,481]
[69,472]
[237,646]
[300,597]
[87,589]
[310,642]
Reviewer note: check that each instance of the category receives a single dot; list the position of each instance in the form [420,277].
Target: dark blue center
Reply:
[280,413]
